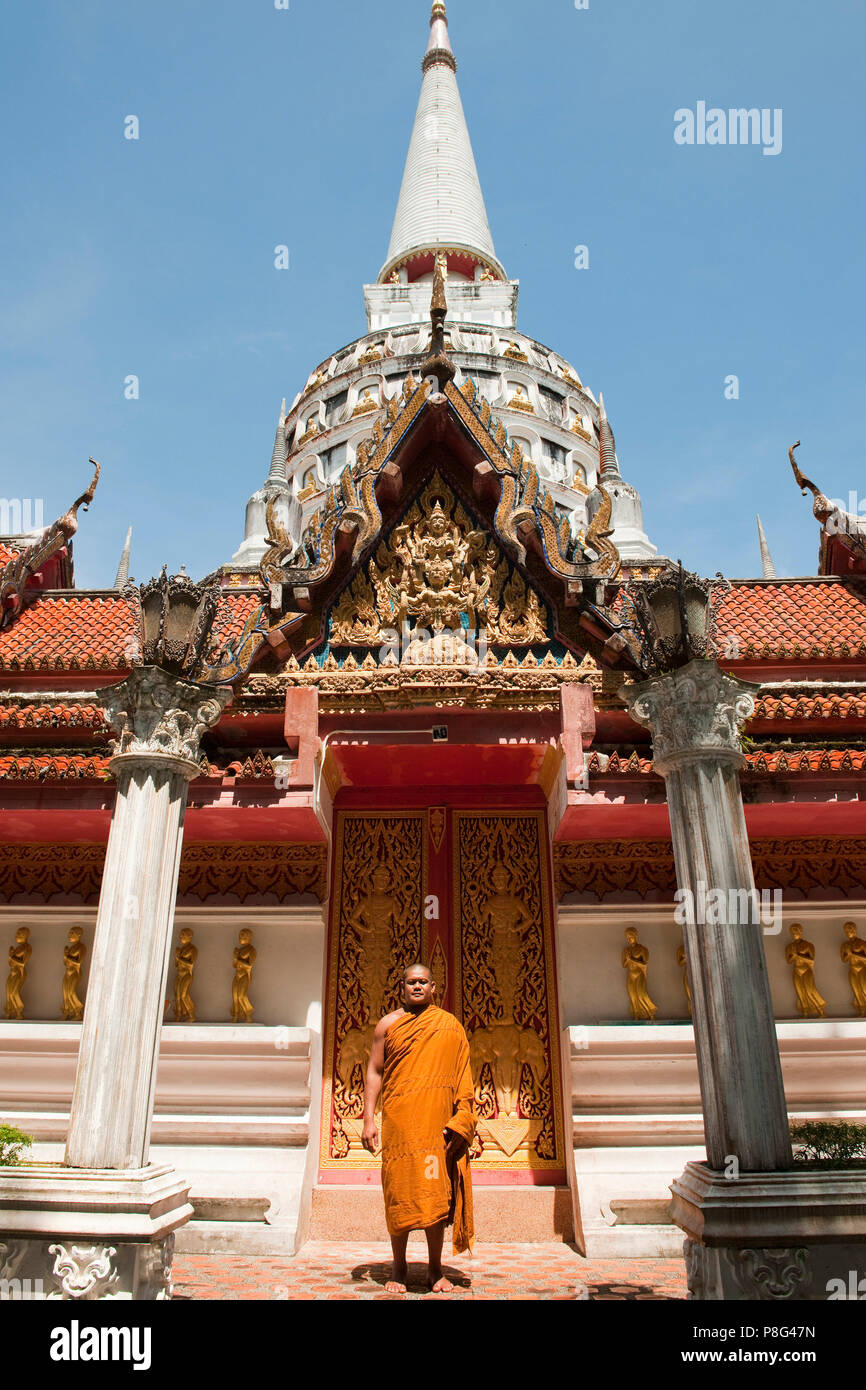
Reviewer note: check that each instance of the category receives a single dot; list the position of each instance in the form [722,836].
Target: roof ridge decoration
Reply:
[836,523]
[23,566]
[525,512]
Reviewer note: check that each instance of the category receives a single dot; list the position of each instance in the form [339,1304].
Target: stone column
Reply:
[161,719]
[695,715]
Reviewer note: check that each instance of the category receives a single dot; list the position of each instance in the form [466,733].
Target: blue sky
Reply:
[261,126]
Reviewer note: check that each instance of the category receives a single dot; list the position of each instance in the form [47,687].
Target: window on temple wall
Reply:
[334,461]
[553,455]
[553,401]
[335,407]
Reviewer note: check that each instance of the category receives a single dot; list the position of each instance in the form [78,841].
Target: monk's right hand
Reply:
[370,1136]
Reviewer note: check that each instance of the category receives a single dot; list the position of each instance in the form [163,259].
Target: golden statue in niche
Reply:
[853,952]
[507,922]
[73,959]
[681,962]
[244,959]
[19,954]
[185,958]
[800,955]
[375,921]
[635,959]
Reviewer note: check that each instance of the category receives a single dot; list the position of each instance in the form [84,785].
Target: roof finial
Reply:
[123,568]
[278,458]
[439,48]
[768,569]
[609,467]
[438,363]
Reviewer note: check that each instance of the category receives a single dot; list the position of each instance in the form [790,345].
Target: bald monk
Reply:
[420,1063]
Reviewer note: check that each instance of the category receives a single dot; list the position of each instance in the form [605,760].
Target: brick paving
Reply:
[326,1271]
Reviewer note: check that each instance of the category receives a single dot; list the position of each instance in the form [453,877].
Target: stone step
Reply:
[502,1214]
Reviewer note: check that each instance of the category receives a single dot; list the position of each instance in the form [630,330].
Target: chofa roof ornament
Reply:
[15,576]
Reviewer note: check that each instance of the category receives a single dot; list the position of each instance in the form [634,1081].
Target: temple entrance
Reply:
[468,891]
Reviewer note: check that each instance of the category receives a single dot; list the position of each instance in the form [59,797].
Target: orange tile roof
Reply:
[6,553]
[74,633]
[840,705]
[800,621]
[65,765]
[52,717]
[804,760]
[53,767]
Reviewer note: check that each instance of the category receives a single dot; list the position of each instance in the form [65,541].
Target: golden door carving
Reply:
[376,930]
[506,986]
[491,953]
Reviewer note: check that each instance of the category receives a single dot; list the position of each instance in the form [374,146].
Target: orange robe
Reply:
[426,1089]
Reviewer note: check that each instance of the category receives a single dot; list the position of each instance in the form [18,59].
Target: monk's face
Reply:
[418,989]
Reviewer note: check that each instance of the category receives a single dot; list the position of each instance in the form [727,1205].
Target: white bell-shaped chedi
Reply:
[626,509]
[276,487]
[441,211]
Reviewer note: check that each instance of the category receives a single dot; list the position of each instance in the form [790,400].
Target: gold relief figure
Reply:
[853,951]
[681,962]
[800,955]
[438,574]
[185,958]
[244,959]
[507,922]
[19,954]
[375,920]
[507,1048]
[635,959]
[73,958]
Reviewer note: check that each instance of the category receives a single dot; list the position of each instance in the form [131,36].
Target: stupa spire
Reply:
[441,205]
[122,575]
[768,569]
[278,458]
[606,447]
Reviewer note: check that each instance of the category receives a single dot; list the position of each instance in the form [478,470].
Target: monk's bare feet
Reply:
[397,1282]
[439,1284]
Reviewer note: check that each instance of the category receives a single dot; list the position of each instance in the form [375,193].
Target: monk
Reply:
[420,1063]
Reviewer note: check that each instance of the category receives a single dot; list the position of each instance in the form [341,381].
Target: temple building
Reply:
[422,745]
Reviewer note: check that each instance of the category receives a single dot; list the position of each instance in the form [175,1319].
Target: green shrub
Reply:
[12,1143]
[833,1142]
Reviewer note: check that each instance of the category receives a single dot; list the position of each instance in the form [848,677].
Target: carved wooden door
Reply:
[467,891]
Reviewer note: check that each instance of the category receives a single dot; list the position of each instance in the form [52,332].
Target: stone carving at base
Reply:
[700,1270]
[55,1271]
[769,1274]
[84,1271]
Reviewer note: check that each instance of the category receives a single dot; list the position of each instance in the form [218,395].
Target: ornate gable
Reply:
[340,558]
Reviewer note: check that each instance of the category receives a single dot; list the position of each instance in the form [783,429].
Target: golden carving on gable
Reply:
[506,986]
[375,933]
[434,570]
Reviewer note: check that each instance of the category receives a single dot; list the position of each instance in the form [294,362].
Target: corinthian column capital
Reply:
[695,713]
[161,718]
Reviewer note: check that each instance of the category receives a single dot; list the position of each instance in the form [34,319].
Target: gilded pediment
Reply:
[438,578]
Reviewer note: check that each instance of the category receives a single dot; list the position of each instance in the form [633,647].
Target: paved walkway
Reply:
[325,1271]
